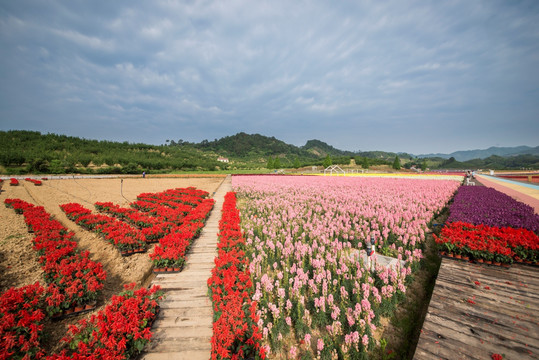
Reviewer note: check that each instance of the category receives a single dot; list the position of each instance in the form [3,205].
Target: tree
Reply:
[397,163]
[277,163]
[270,164]
[424,165]
[297,164]
[327,162]
[365,163]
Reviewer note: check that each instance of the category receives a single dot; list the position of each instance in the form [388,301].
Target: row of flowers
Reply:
[72,277]
[171,251]
[119,331]
[304,236]
[172,204]
[483,205]
[236,334]
[33,181]
[174,217]
[484,243]
[13,182]
[153,228]
[124,237]
[72,280]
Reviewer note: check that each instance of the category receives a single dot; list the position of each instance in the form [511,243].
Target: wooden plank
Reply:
[467,321]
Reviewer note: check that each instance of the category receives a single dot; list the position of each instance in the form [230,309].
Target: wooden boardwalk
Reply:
[183,329]
[480,310]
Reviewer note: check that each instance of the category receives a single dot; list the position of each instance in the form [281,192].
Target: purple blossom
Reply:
[487,206]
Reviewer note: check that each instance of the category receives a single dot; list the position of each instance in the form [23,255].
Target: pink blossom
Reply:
[320,345]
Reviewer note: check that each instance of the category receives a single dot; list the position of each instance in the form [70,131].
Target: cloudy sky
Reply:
[413,76]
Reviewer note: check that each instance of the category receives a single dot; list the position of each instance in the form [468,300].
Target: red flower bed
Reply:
[153,228]
[35,182]
[123,236]
[71,276]
[13,182]
[21,322]
[481,242]
[120,331]
[235,331]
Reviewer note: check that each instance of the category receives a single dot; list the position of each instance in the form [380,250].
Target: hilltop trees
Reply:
[31,152]
[397,163]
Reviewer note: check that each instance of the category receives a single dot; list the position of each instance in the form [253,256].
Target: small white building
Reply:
[222,159]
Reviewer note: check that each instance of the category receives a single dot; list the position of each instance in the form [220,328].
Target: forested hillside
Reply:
[24,152]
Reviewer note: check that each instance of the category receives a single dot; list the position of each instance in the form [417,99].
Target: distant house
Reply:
[222,159]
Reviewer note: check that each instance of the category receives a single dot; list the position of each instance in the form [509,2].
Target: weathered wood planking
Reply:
[478,310]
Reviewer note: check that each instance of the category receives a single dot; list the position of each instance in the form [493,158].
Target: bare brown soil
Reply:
[18,261]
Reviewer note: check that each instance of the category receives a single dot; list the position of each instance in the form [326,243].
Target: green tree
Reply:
[424,165]
[270,164]
[297,164]
[277,163]
[327,162]
[365,163]
[397,163]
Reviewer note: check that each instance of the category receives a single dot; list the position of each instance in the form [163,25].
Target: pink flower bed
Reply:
[316,296]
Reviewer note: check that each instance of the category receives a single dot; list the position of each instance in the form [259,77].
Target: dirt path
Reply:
[183,329]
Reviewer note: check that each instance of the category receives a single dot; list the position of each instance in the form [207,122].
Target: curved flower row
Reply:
[173,204]
[172,248]
[235,331]
[72,279]
[303,236]
[177,217]
[21,322]
[487,243]
[13,182]
[153,228]
[483,205]
[120,331]
[123,236]
[33,181]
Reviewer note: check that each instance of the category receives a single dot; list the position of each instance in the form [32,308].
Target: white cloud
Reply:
[238,62]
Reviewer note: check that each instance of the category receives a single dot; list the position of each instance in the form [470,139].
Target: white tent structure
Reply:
[334,169]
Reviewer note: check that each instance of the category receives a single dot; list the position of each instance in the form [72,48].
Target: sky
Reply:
[401,76]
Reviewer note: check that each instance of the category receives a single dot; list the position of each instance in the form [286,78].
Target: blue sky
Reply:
[412,76]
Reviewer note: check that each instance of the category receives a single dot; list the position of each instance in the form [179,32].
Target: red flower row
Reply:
[489,243]
[153,228]
[172,248]
[119,331]
[171,204]
[21,322]
[123,236]
[35,182]
[235,331]
[77,278]
[13,182]
[72,277]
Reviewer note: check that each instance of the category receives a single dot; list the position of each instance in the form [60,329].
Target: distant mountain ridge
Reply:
[465,155]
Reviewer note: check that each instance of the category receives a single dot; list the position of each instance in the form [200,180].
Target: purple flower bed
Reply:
[484,205]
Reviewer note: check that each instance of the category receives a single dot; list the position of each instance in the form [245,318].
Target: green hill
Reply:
[25,152]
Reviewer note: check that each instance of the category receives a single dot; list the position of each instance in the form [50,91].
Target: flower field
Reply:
[483,205]
[121,329]
[174,217]
[316,296]
[486,225]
